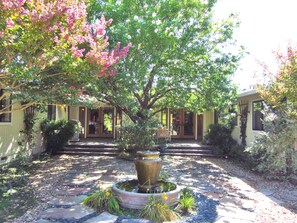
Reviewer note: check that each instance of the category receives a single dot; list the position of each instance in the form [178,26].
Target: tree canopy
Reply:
[280,90]
[180,56]
[48,50]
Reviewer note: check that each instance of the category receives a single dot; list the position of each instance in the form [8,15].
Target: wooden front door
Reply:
[181,124]
[100,122]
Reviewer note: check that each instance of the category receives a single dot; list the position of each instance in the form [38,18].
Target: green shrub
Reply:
[137,136]
[158,211]
[187,201]
[56,134]
[219,135]
[273,153]
[103,200]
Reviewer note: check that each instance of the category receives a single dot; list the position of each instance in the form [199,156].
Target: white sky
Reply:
[266,26]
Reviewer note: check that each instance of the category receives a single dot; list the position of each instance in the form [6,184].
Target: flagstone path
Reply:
[225,192]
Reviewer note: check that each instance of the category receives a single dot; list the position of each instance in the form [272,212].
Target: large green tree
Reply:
[48,50]
[180,56]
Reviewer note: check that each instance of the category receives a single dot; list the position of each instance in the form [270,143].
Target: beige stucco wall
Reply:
[10,136]
[62,112]
[74,113]
[250,133]
[208,119]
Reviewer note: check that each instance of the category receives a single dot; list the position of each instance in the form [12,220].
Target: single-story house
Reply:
[104,121]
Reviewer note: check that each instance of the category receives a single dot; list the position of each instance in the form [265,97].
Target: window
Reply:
[51,112]
[258,115]
[5,105]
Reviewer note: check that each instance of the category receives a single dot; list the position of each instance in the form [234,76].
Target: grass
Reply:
[157,211]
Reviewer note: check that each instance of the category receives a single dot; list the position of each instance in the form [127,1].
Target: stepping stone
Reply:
[79,183]
[136,221]
[266,192]
[47,221]
[74,214]
[74,191]
[276,200]
[67,201]
[288,197]
[103,217]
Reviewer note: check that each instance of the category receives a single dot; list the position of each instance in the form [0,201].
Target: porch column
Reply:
[86,121]
[196,126]
[114,122]
[168,119]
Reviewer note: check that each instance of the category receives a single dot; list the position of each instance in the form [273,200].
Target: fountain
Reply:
[135,194]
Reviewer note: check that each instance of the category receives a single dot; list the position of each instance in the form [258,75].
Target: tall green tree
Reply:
[180,56]
[48,50]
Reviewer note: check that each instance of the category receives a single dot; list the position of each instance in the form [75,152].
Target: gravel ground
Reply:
[225,192]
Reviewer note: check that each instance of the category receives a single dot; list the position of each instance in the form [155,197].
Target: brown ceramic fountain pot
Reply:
[148,166]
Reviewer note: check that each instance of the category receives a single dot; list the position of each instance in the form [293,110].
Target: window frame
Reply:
[3,101]
[254,125]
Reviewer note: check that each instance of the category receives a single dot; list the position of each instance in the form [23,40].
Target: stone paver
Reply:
[103,217]
[274,199]
[66,201]
[136,221]
[74,191]
[76,213]
[267,192]
[47,221]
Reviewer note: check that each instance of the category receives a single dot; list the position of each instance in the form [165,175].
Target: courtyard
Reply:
[225,192]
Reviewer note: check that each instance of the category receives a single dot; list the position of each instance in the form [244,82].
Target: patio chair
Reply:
[163,134]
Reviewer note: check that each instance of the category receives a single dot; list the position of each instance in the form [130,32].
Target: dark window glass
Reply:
[258,115]
[51,112]
[5,105]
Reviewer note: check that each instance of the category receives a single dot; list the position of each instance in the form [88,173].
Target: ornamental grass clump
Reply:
[103,200]
[186,203]
[157,210]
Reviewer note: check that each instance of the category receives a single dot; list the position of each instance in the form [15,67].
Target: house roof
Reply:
[247,92]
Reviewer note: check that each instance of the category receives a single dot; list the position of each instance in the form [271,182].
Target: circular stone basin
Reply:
[128,196]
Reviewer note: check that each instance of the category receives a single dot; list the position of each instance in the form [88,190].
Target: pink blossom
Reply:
[9,22]
[78,53]
[112,72]
[56,39]
[102,73]
[66,37]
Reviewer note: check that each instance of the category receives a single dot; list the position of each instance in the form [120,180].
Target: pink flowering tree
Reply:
[48,51]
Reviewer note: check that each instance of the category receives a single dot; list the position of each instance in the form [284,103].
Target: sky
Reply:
[266,26]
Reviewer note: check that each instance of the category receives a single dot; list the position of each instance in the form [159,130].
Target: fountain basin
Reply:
[130,197]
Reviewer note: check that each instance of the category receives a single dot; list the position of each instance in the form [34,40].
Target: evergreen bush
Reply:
[56,134]
[220,136]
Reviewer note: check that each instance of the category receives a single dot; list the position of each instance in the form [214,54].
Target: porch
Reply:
[108,147]
[104,122]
